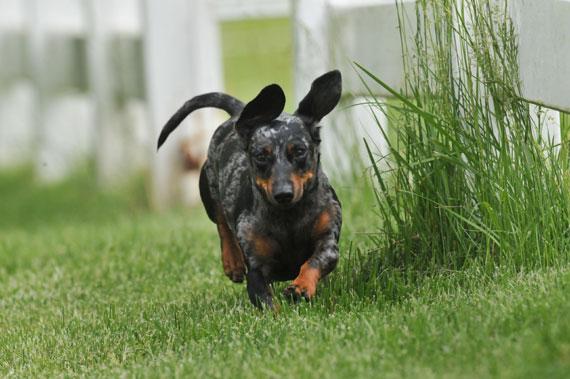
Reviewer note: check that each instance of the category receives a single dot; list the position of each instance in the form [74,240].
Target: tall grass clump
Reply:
[470,178]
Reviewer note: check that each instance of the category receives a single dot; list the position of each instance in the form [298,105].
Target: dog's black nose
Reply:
[283,197]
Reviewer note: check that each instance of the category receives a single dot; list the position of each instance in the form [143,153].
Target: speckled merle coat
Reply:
[262,184]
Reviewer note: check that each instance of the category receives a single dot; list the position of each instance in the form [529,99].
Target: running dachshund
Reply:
[263,186]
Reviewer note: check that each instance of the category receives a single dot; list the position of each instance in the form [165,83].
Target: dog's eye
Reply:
[261,158]
[299,152]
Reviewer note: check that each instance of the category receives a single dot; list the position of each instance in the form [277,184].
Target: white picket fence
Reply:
[83,79]
[335,33]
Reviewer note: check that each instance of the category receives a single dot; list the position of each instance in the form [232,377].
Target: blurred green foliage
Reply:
[29,205]
[257,53]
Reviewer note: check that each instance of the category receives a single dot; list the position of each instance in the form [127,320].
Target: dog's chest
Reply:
[284,247]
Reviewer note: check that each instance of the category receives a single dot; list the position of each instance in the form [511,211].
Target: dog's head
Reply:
[283,149]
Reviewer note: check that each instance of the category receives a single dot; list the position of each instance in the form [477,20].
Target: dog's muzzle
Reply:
[283,193]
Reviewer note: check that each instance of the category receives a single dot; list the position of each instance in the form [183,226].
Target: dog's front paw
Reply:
[296,292]
[305,284]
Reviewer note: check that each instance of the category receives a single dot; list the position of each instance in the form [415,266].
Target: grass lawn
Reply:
[101,287]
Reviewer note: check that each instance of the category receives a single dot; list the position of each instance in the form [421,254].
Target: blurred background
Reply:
[86,85]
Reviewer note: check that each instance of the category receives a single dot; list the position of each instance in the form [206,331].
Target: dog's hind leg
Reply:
[209,203]
[232,256]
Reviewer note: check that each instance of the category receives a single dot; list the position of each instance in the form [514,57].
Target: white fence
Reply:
[337,32]
[96,79]
[16,91]
[334,33]
[544,50]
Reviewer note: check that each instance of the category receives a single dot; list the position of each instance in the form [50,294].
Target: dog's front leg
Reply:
[322,262]
[325,256]
[258,289]
[255,247]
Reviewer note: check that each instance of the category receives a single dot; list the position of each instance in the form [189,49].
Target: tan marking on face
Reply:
[307,280]
[299,182]
[265,185]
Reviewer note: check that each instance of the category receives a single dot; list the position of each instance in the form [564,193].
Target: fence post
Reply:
[182,59]
[311,44]
[105,146]
[543,33]
[114,146]
[333,34]
[16,91]
[63,115]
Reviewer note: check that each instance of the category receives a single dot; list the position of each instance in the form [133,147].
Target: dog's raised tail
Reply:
[209,100]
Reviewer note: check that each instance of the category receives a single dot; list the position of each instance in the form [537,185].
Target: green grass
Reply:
[142,294]
[26,205]
[469,181]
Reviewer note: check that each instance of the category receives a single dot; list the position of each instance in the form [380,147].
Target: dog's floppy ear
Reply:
[322,98]
[266,106]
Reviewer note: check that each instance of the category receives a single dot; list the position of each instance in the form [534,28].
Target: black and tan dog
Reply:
[262,184]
